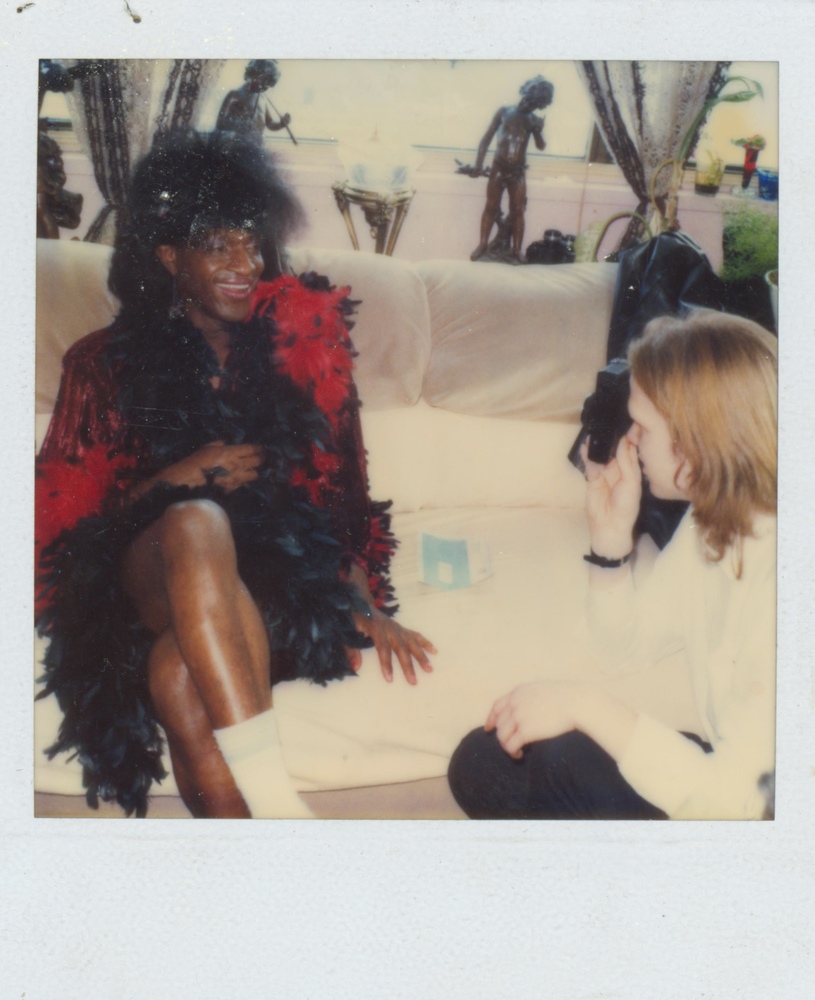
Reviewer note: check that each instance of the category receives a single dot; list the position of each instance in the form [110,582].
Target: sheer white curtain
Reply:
[117,105]
[644,111]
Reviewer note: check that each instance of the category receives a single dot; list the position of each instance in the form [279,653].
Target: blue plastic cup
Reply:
[767,184]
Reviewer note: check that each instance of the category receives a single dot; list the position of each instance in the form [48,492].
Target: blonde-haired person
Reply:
[703,402]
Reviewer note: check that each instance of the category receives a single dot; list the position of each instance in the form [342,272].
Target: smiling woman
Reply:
[203,515]
[215,277]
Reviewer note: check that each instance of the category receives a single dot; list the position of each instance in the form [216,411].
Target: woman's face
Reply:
[667,471]
[215,277]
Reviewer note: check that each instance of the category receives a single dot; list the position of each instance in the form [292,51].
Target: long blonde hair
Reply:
[714,378]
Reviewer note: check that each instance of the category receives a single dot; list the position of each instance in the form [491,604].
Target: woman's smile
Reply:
[236,289]
[216,276]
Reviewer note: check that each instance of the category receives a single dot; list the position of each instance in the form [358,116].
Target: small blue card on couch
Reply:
[450,563]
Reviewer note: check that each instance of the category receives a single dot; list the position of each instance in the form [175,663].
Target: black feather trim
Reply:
[287,551]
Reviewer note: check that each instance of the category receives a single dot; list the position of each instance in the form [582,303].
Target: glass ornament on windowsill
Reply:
[378,163]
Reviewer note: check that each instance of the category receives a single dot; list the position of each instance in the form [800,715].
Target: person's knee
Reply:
[545,783]
[195,526]
[484,778]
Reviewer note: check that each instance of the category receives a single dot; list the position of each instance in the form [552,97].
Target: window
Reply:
[728,122]
[445,104]
[448,104]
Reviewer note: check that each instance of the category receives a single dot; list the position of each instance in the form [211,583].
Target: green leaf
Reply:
[753,84]
[739,96]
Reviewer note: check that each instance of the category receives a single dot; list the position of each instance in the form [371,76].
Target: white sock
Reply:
[253,754]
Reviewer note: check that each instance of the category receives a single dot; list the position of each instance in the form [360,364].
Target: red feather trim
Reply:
[313,345]
[69,490]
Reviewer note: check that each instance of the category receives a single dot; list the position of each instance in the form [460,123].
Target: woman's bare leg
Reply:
[201,773]
[210,666]
[182,574]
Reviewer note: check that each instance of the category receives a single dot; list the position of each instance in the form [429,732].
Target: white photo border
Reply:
[421,909]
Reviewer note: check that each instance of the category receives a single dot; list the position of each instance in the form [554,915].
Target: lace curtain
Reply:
[644,111]
[117,107]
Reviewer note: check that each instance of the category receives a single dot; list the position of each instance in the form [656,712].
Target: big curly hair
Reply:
[189,184]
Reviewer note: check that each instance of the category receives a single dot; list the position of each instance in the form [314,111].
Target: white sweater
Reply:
[726,627]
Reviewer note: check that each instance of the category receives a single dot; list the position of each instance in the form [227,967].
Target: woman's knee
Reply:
[196,532]
[567,777]
[196,527]
[489,784]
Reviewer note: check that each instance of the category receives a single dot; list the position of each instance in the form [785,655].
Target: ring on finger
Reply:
[216,472]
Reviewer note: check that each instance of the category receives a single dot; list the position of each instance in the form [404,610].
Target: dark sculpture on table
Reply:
[513,125]
[55,206]
[242,110]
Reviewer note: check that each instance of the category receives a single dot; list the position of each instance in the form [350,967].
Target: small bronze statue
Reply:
[513,125]
[55,206]
[242,111]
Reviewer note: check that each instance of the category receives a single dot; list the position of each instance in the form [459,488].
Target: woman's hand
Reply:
[230,466]
[537,711]
[390,637]
[613,500]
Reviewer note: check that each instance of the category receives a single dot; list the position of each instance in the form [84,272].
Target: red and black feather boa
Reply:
[293,353]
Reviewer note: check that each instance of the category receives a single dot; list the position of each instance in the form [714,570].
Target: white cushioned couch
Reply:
[472,377]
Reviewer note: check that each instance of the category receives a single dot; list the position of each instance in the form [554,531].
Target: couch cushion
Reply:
[392,325]
[516,341]
[424,457]
[72,300]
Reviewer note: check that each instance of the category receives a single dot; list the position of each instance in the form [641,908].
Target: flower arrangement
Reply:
[757,142]
[752,146]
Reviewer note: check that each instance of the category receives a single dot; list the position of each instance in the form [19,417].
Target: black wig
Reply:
[187,185]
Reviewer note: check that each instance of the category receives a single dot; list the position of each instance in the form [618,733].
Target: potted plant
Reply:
[752,146]
[708,178]
[750,250]
[750,89]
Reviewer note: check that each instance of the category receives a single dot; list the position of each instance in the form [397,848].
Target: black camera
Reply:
[605,416]
[605,420]
[554,248]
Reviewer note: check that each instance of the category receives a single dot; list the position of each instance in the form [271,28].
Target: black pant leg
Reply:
[568,777]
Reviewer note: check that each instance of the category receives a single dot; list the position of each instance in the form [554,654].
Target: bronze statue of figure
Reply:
[55,206]
[242,110]
[512,125]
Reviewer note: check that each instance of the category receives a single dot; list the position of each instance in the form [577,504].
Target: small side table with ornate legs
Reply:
[379,209]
